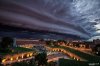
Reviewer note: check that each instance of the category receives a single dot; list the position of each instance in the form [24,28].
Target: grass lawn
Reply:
[67,62]
[89,58]
[17,50]
[21,49]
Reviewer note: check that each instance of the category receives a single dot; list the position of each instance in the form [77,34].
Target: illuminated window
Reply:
[28,55]
[31,54]
[3,60]
[22,56]
[17,58]
[11,59]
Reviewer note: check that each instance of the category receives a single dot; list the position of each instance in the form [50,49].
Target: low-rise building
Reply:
[27,43]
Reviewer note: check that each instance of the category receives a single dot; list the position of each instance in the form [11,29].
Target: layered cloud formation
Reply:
[75,17]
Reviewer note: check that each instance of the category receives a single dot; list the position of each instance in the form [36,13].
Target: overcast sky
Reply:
[75,17]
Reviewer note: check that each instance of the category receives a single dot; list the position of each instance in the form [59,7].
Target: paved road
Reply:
[56,56]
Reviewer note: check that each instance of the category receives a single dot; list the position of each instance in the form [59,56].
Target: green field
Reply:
[89,58]
[67,62]
[17,50]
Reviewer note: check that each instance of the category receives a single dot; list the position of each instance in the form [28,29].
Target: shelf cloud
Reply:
[75,17]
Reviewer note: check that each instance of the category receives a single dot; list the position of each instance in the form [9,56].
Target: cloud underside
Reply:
[75,17]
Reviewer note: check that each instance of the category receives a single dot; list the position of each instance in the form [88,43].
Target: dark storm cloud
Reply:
[63,16]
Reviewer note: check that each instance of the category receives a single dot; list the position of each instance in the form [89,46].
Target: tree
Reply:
[1,61]
[97,49]
[61,41]
[48,42]
[41,59]
[41,40]
[6,44]
[52,63]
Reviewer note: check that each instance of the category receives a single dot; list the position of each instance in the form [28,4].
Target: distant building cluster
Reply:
[27,43]
[37,45]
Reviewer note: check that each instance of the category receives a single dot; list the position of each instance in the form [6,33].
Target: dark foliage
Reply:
[41,59]
[6,44]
